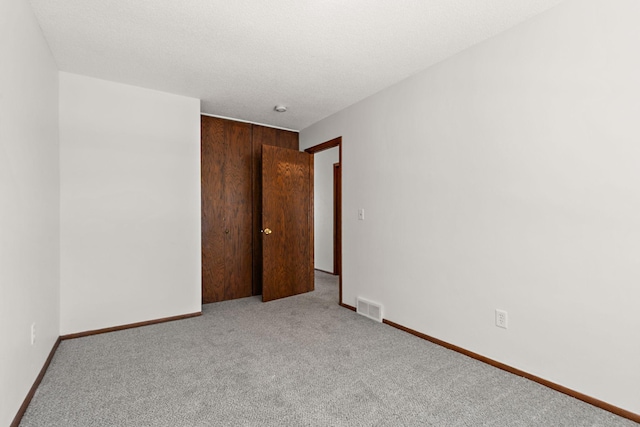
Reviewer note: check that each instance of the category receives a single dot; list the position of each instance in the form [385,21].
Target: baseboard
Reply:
[129,326]
[350,307]
[34,387]
[557,387]
[325,271]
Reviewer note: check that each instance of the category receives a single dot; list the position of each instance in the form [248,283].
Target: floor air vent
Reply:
[369,309]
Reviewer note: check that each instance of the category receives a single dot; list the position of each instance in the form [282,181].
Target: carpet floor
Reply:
[300,361]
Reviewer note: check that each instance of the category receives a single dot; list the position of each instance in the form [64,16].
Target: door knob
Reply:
[267,231]
[226,231]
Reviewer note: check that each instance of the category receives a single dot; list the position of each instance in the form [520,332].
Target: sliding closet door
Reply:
[213,209]
[226,162]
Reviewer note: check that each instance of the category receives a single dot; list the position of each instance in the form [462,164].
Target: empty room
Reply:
[319,213]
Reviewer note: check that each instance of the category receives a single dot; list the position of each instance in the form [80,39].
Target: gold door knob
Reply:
[267,231]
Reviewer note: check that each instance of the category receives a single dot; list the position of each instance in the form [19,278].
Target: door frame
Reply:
[337,251]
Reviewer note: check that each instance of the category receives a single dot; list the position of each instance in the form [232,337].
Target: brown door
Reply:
[337,219]
[226,209]
[264,136]
[287,221]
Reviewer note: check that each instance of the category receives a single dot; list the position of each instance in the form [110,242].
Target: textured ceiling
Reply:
[243,57]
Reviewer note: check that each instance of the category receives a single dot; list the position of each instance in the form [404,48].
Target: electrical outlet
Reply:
[33,333]
[501,319]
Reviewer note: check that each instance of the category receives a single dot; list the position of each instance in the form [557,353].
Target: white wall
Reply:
[29,203]
[130,204]
[323,207]
[508,177]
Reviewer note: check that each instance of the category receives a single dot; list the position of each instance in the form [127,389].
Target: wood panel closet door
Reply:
[263,135]
[212,152]
[226,158]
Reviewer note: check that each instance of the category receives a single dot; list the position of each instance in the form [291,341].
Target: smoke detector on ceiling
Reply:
[280,108]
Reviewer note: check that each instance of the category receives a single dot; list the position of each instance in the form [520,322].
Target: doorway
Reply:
[335,174]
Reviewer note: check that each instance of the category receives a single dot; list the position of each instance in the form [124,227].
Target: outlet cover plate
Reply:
[33,333]
[502,319]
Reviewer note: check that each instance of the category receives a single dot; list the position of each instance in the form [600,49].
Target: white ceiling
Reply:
[242,57]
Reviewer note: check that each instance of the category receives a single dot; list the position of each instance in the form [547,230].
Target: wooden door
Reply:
[226,209]
[213,207]
[263,135]
[287,220]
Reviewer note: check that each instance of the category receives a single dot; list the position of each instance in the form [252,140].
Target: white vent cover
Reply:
[369,309]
